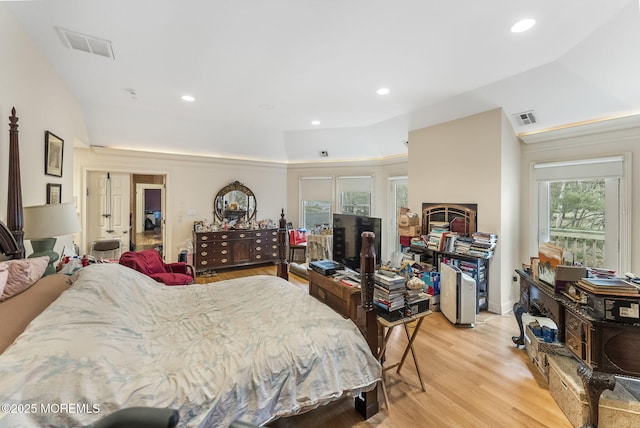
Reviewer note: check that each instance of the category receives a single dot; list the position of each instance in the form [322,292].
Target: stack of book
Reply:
[448,241]
[483,244]
[609,286]
[436,230]
[463,244]
[601,272]
[388,294]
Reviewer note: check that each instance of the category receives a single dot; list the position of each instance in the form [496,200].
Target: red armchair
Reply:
[151,264]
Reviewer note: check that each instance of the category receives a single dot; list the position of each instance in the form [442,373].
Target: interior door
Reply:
[108,206]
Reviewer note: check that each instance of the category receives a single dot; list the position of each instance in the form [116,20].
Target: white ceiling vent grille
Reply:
[86,43]
[525,118]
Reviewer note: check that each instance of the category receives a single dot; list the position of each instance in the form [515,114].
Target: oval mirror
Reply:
[235,201]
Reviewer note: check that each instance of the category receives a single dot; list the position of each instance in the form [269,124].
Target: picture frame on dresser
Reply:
[53,152]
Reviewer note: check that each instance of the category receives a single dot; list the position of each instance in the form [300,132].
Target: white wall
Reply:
[192,183]
[43,103]
[462,162]
[601,139]
[380,170]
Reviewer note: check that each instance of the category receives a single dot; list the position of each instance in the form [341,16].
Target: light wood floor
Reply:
[475,377]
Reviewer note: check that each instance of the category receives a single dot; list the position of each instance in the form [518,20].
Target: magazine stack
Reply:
[388,295]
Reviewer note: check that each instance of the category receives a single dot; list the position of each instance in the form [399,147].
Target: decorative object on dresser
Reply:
[43,223]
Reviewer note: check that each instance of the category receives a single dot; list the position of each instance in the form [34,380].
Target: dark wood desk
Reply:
[605,349]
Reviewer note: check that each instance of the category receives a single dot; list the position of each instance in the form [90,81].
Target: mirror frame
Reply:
[237,186]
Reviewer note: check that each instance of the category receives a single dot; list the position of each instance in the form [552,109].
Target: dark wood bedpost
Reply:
[15,221]
[282,263]
[367,403]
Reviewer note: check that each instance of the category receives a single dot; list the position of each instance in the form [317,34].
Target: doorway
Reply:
[114,207]
[147,212]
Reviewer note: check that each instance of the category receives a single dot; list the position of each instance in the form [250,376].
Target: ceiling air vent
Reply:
[324,154]
[525,118]
[86,43]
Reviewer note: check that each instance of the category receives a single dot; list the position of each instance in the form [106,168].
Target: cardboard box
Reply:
[407,218]
[538,351]
[566,275]
[409,230]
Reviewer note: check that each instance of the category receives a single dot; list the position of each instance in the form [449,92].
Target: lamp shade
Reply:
[46,221]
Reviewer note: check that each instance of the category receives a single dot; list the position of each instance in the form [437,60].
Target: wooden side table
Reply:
[390,325]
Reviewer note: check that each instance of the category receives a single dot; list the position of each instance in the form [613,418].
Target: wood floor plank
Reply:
[474,377]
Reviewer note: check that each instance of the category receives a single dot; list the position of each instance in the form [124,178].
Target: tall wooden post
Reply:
[15,220]
[367,403]
[282,263]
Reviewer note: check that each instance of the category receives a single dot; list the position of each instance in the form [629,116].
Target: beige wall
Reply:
[192,183]
[611,138]
[43,103]
[380,170]
[473,160]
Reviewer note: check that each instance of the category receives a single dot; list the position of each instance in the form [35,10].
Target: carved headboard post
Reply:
[282,263]
[15,221]
[367,404]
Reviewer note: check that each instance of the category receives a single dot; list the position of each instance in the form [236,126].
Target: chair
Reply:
[106,248]
[150,263]
[296,245]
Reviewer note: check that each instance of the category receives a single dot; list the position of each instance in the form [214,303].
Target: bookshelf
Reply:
[475,266]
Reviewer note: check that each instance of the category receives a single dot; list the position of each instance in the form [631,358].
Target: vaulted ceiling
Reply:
[262,70]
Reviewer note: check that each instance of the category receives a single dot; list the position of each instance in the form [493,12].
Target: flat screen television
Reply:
[347,238]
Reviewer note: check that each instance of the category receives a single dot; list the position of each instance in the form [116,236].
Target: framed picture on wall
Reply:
[53,150]
[54,193]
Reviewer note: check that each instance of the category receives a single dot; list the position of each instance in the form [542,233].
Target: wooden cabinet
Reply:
[217,250]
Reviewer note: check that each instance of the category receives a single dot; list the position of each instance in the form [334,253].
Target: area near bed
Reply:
[254,348]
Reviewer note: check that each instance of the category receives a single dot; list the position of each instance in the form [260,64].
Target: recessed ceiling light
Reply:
[382,91]
[315,122]
[188,98]
[523,25]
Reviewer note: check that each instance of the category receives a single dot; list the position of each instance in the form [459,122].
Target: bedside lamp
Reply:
[42,223]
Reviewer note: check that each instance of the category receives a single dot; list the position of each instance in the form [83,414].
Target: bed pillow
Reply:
[23,274]
[4,274]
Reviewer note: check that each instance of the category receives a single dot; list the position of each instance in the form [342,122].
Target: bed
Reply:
[252,349]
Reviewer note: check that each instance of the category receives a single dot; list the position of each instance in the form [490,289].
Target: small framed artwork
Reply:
[53,150]
[54,193]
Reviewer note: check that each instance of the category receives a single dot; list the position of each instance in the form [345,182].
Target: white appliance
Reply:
[457,295]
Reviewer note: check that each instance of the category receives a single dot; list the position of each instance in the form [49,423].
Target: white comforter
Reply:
[253,349]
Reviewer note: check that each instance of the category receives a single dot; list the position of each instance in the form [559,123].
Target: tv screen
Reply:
[347,238]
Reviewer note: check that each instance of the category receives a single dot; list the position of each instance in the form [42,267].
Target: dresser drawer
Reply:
[575,344]
[578,336]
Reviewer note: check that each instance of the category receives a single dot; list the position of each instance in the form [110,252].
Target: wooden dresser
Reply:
[217,250]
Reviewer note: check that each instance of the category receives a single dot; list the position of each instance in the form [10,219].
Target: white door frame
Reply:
[168,251]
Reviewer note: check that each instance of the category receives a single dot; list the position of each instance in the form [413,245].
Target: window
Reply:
[399,197]
[580,209]
[316,196]
[355,195]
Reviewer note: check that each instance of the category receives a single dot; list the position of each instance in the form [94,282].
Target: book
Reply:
[610,286]
[389,280]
